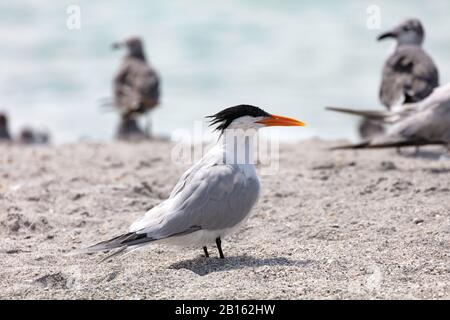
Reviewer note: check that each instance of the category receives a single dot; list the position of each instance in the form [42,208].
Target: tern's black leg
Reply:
[417,150]
[219,246]
[399,150]
[205,249]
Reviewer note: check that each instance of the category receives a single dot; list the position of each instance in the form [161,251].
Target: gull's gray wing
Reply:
[210,198]
[136,86]
[429,124]
[384,117]
[374,115]
[409,75]
[144,79]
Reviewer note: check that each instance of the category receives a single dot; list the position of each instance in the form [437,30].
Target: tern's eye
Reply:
[407,28]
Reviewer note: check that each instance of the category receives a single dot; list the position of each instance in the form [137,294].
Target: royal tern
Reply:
[211,199]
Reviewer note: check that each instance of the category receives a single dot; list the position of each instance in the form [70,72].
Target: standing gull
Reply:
[409,74]
[4,130]
[214,197]
[136,89]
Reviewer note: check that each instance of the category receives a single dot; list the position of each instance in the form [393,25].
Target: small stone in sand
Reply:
[388,165]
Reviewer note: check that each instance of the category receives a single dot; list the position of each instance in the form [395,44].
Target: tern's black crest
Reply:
[225,117]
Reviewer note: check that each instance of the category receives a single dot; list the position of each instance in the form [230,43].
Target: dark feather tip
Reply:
[225,117]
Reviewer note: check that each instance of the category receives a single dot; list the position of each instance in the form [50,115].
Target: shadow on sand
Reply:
[203,266]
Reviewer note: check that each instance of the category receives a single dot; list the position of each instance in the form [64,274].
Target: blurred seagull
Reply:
[214,197]
[30,135]
[4,129]
[136,87]
[381,117]
[423,123]
[409,74]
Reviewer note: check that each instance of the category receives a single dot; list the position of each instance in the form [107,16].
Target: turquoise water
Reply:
[290,57]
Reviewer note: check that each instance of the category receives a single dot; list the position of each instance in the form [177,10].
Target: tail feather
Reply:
[398,144]
[361,145]
[373,115]
[123,241]
[130,241]
[119,252]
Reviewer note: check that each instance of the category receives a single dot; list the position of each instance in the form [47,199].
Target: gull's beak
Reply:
[117,45]
[389,34]
[274,120]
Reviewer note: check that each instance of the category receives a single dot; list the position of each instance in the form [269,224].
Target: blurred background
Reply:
[289,57]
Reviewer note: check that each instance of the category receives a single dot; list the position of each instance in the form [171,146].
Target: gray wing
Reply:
[427,127]
[409,75]
[121,86]
[136,86]
[211,198]
[429,124]
[385,117]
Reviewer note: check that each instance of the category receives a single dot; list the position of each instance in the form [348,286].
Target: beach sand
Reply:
[366,224]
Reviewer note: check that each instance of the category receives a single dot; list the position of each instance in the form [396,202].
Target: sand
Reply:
[330,225]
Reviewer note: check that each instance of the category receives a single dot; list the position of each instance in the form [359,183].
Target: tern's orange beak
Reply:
[281,121]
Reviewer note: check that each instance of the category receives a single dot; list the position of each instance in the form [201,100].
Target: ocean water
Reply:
[289,57]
